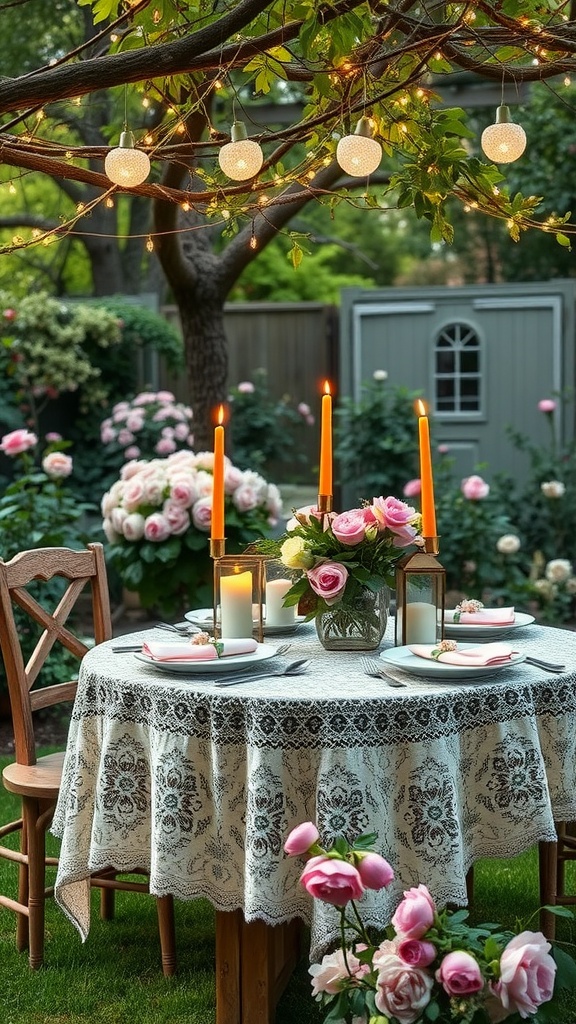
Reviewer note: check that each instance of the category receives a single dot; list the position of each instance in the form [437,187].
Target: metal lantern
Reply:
[420,597]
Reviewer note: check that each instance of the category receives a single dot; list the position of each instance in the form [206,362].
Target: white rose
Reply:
[558,570]
[508,544]
[553,488]
[109,532]
[133,526]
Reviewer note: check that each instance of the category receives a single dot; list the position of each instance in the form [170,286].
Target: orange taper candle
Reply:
[426,479]
[217,520]
[325,481]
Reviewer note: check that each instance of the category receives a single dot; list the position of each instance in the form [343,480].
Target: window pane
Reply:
[445,362]
[445,388]
[469,362]
[469,387]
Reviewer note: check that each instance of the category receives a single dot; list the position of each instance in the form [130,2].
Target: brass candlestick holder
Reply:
[420,596]
[325,503]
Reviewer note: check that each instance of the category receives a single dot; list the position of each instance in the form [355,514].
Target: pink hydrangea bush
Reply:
[157,516]
[432,965]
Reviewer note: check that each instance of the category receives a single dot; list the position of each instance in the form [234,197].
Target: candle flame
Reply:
[220,417]
[420,407]
[327,387]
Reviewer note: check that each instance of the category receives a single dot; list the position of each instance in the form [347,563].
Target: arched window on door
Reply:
[458,370]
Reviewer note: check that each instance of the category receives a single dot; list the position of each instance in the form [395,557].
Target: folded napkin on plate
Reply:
[473,657]
[483,617]
[162,651]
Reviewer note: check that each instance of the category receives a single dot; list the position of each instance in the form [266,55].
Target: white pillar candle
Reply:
[276,613]
[236,605]
[420,623]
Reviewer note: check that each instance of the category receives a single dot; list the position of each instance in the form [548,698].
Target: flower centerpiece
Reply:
[347,564]
[157,518]
[431,965]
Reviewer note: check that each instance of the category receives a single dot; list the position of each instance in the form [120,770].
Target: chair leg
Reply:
[37,880]
[167,932]
[23,892]
[548,866]
[107,903]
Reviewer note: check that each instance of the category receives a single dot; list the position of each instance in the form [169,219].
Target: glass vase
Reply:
[358,625]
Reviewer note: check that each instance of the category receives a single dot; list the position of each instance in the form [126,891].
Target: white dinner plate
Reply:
[482,630]
[204,617]
[403,658]
[232,663]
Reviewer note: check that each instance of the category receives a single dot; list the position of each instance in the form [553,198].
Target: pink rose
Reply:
[546,405]
[402,991]
[246,387]
[133,526]
[328,580]
[178,518]
[334,969]
[394,514]
[133,493]
[165,446]
[156,528]
[9,314]
[125,437]
[333,881]
[131,452]
[527,973]
[107,434]
[135,420]
[460,974]
[202,514]
[57,465]
[412,488]
[183,491]
[475,488]
[375,871]
[415,915]
[52,436]
[18,441]
[304,409]
[301,838]
[349,528]
[165,396]
[443,449]
[417,953]
[245,498]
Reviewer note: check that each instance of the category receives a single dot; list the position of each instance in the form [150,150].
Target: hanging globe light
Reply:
[241,158]
[127,165]
[504,141]
[359,154]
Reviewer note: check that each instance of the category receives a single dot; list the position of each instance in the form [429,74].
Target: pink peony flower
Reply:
[18,441]
[412,488]
[475,488]
[301,838]
[375,871]
[156,528]
[333,881]
[328,580]
[349,528]
[402,991]
[527,973]
[415,914]
[546,405]
[460,974]
[416,952]
[57,465]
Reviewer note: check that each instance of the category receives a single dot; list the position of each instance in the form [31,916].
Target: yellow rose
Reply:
[296,554]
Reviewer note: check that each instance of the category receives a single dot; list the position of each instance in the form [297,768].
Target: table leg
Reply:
[253,965]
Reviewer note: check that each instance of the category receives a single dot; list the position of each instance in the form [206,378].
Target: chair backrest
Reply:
[79,569]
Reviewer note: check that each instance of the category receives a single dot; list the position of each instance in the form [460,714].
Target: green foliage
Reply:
[143,329]
[376,437]
[264,429]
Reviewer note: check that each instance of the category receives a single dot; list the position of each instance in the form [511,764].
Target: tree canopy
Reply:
[300,75]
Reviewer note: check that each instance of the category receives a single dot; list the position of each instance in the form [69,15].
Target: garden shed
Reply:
[482,357]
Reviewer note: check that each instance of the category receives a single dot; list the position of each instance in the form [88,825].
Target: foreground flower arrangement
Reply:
[157,518]
[431,965]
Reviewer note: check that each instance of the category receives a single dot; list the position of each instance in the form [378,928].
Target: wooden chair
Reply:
[552,858]
[36,780]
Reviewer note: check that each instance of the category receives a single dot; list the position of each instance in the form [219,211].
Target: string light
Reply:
[359,154]
[241,158]
[504,141]
[149,244]
[127,165]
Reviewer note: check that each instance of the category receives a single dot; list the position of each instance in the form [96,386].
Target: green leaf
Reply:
[564,240]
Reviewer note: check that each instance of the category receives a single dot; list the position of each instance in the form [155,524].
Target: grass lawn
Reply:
[116,978]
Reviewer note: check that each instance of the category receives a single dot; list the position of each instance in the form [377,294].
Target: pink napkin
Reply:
[484,617]
[161,651]
[488,654]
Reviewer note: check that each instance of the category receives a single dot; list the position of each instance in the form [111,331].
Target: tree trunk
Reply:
[202,321]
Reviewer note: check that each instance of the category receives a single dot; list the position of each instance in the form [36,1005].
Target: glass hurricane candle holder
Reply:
[239,588]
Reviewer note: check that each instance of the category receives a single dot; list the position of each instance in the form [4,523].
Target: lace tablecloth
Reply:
[200,785]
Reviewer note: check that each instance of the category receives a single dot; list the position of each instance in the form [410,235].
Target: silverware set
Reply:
[373,668]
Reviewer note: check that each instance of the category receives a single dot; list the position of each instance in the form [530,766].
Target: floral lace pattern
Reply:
[200,785]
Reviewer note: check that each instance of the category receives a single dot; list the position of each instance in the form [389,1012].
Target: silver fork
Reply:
[294,668]
[373,668]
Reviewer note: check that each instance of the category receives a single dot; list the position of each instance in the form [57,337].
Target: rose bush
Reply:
[431,965]
[157,516]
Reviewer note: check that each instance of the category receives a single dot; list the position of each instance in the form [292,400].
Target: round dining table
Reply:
[200,784]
